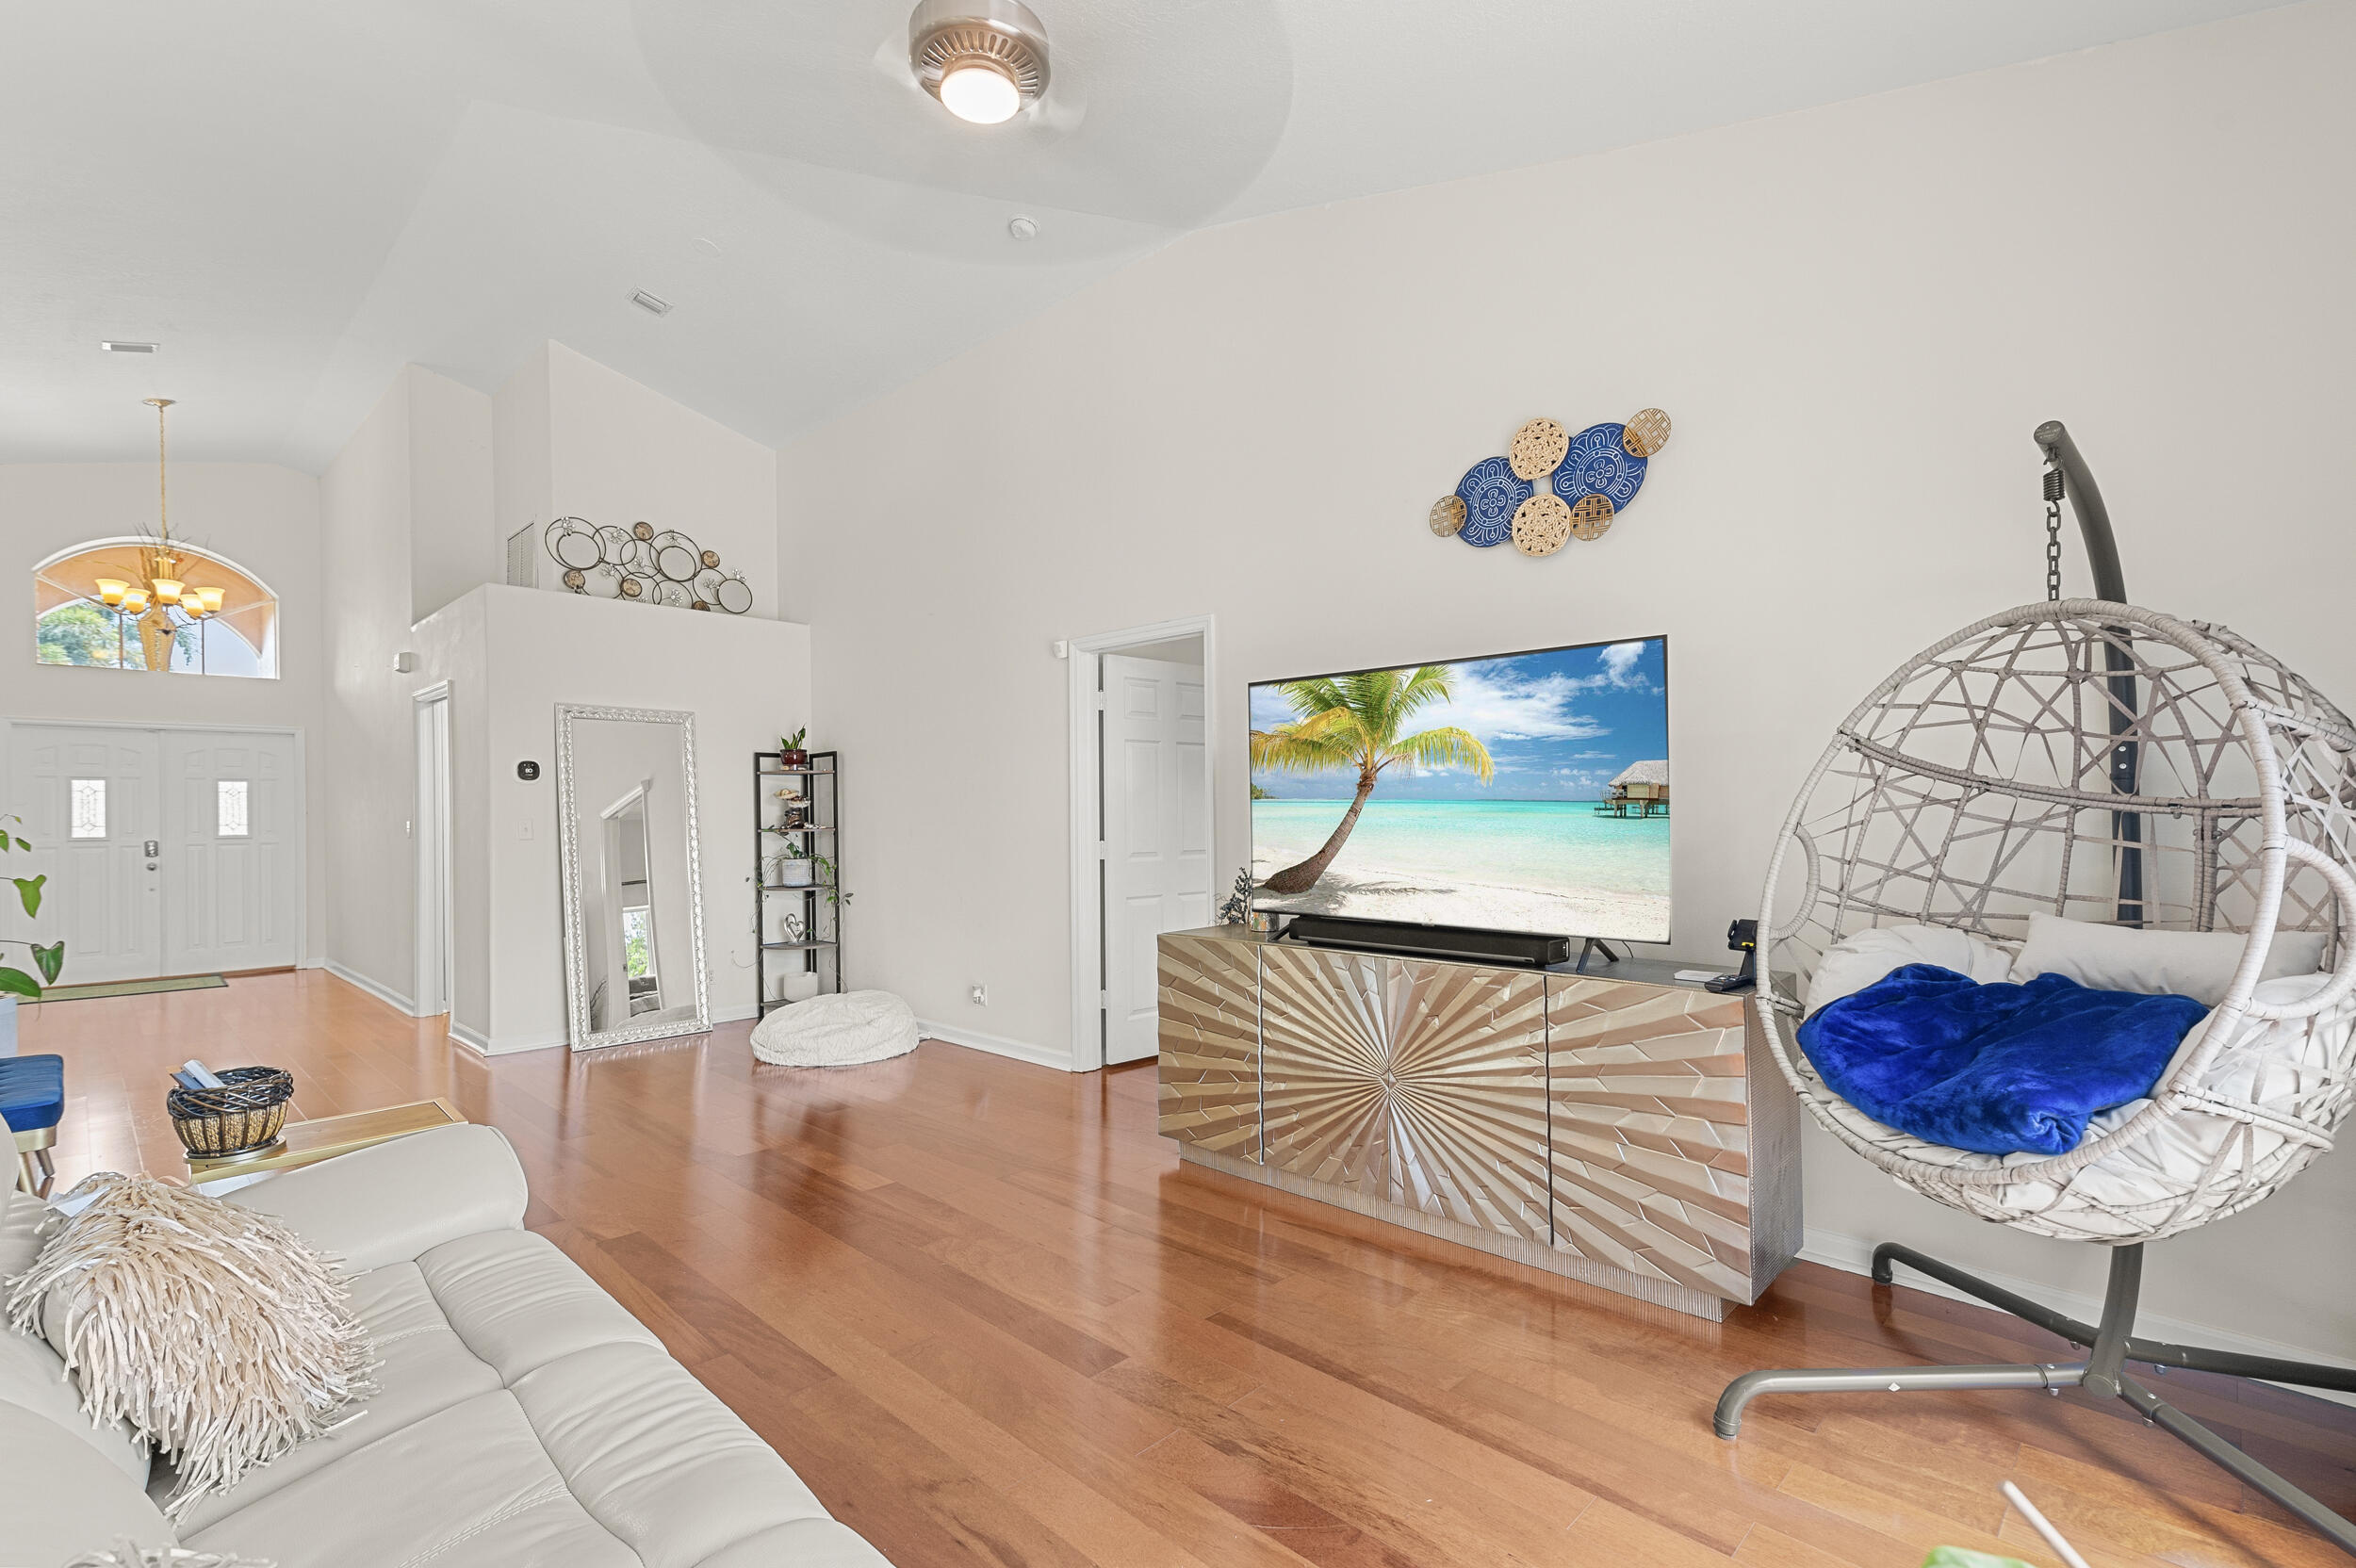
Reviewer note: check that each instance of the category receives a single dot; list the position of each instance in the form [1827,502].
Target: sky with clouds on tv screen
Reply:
[1559,726]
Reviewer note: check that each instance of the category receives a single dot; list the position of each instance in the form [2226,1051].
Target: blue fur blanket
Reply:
[2001,1069]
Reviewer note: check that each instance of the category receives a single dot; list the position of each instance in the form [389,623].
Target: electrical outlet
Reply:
[978,995]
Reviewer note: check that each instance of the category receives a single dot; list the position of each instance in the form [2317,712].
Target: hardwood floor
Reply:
[987,1317]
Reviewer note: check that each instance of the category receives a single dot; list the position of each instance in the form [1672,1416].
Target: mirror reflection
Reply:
[634,949]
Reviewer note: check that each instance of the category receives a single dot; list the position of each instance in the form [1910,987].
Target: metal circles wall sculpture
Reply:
[1554,486]
[642,562]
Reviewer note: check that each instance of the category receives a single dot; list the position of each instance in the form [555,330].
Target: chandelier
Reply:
[163,604]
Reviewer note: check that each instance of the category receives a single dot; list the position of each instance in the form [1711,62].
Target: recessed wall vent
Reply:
[520,559]
[653,304]
[118,346]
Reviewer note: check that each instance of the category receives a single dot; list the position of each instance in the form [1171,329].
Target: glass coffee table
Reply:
[305,1143]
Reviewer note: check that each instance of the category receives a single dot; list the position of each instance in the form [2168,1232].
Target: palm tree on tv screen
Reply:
[1353,721]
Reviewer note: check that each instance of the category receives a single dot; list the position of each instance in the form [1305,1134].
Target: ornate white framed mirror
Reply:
[632,888]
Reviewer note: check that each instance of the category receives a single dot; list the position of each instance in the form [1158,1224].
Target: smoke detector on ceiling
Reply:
[653,304]
[984,60]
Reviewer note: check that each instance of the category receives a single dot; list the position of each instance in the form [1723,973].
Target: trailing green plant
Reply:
[50,960]
[830,879]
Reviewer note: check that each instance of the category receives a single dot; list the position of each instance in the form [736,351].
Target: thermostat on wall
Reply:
[527,771]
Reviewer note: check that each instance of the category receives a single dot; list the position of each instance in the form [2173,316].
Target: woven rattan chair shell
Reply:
[1973,788]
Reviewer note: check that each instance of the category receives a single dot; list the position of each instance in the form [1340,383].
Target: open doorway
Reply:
[435,943]
[1142,824]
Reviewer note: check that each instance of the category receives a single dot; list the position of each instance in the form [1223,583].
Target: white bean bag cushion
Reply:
[837,1030]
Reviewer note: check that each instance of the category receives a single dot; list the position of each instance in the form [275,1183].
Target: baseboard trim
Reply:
[1852,1255]
[386,994]
[997,1045]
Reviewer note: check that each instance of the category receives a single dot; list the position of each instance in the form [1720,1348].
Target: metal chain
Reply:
[2053,525]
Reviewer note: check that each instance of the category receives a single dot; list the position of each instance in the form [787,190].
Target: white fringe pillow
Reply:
[213,1329]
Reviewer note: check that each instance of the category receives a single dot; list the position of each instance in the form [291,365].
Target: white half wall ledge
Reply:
[1852,1255]
[997,1045]
[382,992]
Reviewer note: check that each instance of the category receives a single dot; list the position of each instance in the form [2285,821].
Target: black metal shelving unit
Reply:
[818,904]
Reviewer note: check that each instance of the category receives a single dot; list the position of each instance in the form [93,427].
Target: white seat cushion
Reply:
[524,1418]
[2199,964]
[1858,960]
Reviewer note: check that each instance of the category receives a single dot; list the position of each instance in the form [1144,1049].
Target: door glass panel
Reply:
[88,803]
[229,808]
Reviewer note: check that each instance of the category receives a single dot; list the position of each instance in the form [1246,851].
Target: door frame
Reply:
[421,704]
[1085,655]
[304,957]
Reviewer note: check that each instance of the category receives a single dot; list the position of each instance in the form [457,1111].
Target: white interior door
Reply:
[89,799]
[1158,835]
[232,851]
[432,841]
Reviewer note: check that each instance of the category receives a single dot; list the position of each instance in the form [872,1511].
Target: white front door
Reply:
[1158,835]
[89,801]
[231,860]
[168,851]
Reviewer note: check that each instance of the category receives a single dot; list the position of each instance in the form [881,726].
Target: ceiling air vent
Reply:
[118,346]
[653,304]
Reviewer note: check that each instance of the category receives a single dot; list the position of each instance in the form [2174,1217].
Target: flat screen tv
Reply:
[1523,793]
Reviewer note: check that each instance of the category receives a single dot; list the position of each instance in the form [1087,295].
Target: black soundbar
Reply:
[1513,948]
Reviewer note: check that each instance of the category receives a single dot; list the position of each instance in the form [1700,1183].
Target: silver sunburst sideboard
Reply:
[1620,1127]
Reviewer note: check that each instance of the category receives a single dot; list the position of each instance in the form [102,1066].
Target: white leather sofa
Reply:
[525,1417]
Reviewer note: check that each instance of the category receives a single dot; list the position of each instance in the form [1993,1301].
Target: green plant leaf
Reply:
[28,892]
[51,959]
[20,844]
[16,980]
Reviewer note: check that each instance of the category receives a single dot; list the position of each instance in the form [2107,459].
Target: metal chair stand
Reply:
[35,1171]
[2110,1346]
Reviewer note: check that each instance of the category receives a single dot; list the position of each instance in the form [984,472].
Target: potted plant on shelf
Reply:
[794,754]
[795,868]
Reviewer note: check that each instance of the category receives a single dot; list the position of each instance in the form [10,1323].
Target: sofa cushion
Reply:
[392,1203]
[32,1374]
[567,1431]
[59,1498]
[426,1368]
[468,1487]
[655,1458]
[519,1303]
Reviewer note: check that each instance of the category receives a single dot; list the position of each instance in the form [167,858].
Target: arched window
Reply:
[99,605]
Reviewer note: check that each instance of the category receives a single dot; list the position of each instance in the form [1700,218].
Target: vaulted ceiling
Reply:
[296,197]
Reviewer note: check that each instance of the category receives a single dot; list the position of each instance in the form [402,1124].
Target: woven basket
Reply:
[245,1114]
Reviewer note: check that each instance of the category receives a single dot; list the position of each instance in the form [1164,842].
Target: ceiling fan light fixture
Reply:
[983,59]
[978,92]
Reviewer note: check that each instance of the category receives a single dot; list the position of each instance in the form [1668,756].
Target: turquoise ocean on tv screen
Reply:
[1553,846]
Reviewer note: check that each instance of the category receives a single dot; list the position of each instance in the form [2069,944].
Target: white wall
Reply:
[261,517]
[454,541]
[405,518]
[747,680]
[1855,315]
[523,480]
[576,439]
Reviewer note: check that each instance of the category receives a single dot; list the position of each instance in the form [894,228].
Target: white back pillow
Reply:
[2199,964]
[1855,962]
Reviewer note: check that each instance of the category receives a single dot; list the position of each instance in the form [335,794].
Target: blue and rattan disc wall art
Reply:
[1552,486]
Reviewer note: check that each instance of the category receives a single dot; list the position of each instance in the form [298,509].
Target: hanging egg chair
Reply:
[2093,761]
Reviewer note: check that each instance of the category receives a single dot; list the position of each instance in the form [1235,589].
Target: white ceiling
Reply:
[296,197]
